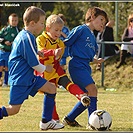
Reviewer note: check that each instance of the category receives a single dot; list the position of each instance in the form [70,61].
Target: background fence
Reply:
[103,53]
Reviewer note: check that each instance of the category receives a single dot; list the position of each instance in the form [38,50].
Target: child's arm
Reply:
[50,52]
[41,68]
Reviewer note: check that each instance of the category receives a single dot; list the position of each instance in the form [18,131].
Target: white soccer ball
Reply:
[100,120]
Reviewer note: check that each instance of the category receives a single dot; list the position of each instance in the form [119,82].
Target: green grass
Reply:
[120,79]
[119,104]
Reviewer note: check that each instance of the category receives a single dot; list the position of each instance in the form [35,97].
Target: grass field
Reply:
[118,104]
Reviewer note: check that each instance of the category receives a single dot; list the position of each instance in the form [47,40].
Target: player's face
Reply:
[99,23]
[55,31]
[39,26]
[13,21]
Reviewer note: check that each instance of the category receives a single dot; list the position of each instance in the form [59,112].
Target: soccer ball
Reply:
[100,120]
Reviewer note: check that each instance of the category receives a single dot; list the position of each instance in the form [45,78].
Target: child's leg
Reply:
[0,78]
[47,122]
[79,108]
[93,105]
[92,92]
[55,115]
[7,111]
[71,87]
[1,69]
[6,78]
[48,106]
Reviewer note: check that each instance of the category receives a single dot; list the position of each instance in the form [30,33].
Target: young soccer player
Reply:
[22,63]
[83,48]
[7,35]
[52,47]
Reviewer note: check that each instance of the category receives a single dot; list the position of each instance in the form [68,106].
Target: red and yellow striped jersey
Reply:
[45,44]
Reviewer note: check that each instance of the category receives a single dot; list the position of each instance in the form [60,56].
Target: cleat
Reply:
[72,124]
[85,100]
[51,125]
[57,121]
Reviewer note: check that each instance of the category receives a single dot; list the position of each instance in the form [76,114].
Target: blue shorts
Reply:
[20,93]
[80,74]
[4,56]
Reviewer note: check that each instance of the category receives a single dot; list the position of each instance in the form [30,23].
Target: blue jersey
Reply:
[66,31]
[22,58]
[83,47]
[82,43]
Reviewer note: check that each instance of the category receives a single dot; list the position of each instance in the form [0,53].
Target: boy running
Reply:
[83,47]
[22,63]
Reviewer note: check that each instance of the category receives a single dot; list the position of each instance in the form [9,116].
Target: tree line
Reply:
[73,11]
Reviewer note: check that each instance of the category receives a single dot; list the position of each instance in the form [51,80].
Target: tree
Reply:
[73,11]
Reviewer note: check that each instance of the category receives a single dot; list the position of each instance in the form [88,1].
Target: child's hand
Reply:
[49,68]
[58,53]
[100,60]
[40,54]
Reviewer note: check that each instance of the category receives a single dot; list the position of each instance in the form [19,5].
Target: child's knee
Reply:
[13,109]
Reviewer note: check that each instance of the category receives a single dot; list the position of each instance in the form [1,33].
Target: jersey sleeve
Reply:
[29,51]
[72,36]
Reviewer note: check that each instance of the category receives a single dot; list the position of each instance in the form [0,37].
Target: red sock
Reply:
[55,116]
[75,90]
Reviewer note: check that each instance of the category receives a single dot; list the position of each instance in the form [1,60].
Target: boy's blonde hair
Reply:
[32,13]
[95,11]
[54,19]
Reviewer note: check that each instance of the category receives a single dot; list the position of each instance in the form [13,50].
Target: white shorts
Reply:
[127,47]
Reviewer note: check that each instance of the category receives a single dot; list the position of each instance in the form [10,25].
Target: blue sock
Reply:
[3,112]
[6,77]
[48,106]
[77,110]
[93,105]
[0,74]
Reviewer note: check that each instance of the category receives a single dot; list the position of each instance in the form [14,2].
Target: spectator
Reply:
[7,35]
[22,63]
[83,47]
[106,35]
[127,50]
[53,48]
